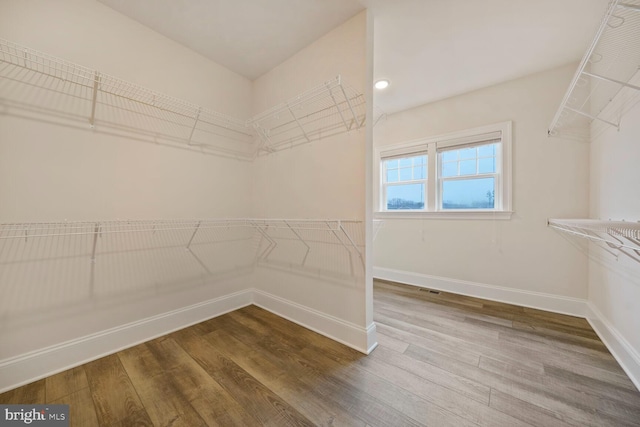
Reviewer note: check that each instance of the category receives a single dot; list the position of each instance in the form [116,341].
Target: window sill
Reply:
[491,215]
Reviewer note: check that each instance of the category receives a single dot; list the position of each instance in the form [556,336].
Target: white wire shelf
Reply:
[323,111]
[46,84]
[54,263]
[617,235]
[607,82]
[41,84]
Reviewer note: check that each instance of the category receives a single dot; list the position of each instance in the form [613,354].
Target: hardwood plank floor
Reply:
[442,360]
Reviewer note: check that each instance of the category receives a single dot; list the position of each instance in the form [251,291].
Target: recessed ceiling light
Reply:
[381,84]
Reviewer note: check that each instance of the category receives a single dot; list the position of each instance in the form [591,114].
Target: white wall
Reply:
[325,179]
[550,180]
[614,285]
[50,172]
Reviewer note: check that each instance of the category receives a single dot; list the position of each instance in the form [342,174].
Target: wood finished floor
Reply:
[443,360]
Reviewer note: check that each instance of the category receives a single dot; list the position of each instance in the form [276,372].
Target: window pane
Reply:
[392,175]
[450,169]
[468,167]
[488,150]
[487,165]
[409,196]
[405,174]
[468,194]
[468,153]
[420,160]
[391,164]
[448,156]
[420,172]
[405,161]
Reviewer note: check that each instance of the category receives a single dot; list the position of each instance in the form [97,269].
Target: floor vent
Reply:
[431,291]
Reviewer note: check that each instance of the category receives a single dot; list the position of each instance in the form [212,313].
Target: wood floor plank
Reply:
[164,403]
[391,343]
[470,409]
[138,419]
[82,411]
[261,402]
[283,382]
[413,337]
[33,393]
[464,386]
[525,411]
[65,383]
[213,403]
[491,348]
[576,407]
[372,399]
[113,395]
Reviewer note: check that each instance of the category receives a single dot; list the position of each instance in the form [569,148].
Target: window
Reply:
[405,183]
[465,175]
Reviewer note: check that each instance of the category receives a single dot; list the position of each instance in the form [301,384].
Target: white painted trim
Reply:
[538,300]
[347,333]
[470,214]
[29,367]
[624,353]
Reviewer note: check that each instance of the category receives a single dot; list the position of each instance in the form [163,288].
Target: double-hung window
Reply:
[460,175]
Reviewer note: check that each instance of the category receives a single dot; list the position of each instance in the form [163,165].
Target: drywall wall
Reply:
[614,284]
[520,257]
[325,179]
[53,172]
[57,173]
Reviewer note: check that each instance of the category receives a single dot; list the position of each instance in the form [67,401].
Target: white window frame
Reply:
[432,146]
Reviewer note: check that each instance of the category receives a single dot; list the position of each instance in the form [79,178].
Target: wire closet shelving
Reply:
[43,84]
[607,82]
[622,236]
[52,263]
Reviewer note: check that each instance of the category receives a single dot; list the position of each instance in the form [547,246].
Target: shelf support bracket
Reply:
[96,83]
[338,108]
[355,116]
[608,79]
[582,113]
[301,240]
[629,6]
[193,129]
[299,124]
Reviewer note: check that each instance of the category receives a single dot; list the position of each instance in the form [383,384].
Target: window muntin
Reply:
[405,182]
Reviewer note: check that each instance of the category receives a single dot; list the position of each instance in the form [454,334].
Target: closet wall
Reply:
[144,284]
[518,260]
[614,284]
[325,179]
[50,172]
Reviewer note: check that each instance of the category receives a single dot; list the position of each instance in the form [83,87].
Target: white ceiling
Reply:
[428,49]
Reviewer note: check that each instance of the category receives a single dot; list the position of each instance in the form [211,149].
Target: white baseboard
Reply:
[349,334]
[33,366]
[538,300]
[625,354]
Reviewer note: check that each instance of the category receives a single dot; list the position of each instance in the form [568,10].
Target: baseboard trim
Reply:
[538,300]
[624,353]
[26,368]
[349,334]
